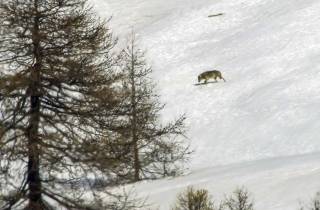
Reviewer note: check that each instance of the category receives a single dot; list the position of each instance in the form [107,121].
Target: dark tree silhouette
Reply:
[58,105]
[155,148]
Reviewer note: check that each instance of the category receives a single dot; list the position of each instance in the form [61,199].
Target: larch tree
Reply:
[58,105]
[157,149]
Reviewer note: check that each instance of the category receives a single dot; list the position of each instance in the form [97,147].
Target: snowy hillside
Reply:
[274,184]
[268,51]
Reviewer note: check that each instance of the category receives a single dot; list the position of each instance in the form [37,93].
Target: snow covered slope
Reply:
[274,184]
[268,51]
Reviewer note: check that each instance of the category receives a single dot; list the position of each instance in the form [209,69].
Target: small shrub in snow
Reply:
[239,200]
[192,199]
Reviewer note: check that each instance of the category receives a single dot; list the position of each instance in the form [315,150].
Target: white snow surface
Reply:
[261,128]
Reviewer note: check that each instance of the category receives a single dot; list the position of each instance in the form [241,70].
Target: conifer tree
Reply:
[58,104]
[155,147]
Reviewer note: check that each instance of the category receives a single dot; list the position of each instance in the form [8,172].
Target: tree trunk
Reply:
[136,161]
[33,171]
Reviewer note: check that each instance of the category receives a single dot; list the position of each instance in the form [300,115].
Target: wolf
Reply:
[214,74]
